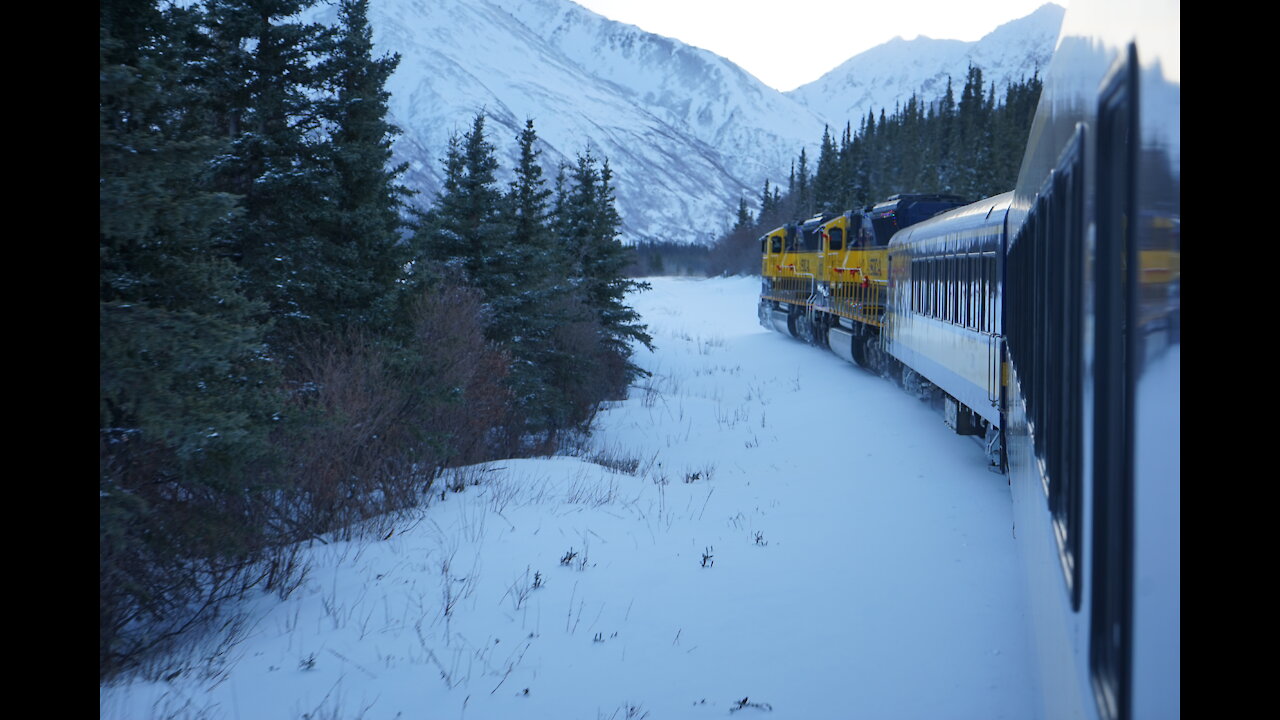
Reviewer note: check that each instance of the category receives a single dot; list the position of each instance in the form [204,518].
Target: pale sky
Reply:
[787,43]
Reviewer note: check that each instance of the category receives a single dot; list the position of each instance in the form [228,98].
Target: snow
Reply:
[862,563]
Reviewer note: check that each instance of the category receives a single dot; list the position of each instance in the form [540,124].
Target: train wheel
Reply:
[820,333]
[803,328]
[875,355]
[915,384]
[995,449]
[860,351]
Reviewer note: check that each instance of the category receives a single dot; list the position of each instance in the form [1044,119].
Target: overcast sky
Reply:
[787,43]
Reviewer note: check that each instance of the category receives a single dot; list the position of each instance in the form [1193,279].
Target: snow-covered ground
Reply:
[795,537]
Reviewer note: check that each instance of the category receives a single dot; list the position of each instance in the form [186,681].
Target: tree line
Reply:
[287,346]
[971,147]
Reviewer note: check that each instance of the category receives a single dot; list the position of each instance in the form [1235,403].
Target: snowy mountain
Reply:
[888,74]
[672,119]
[687,132]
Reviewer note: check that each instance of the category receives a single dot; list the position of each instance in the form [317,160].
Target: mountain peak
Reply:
[892,71]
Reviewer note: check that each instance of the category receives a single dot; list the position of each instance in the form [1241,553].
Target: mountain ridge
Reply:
[687,132]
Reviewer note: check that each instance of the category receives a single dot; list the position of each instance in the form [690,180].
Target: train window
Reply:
[941,301]
[1063,370]
[948,288]
[1115,367]
[984,287]
[939,290]
[1044,332]
[777,243]
[919,279]
[970,263]
[915,286]
[953,289]
[928,288]
[836,236]
[974,291]
[992,288]
[925,288]
[957,289]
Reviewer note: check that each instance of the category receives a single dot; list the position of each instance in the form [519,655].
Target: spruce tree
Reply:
[539,301]
[826,180]
[744,215]
[365,197]
[803,189]
[946,138]
[466,223]
[589,225]
[267,80]
[185,394]
[768,206]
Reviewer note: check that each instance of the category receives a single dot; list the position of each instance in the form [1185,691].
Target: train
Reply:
[1045,323]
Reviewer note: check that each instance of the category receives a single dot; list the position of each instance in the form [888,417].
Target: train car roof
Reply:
[892,203]
[959,228]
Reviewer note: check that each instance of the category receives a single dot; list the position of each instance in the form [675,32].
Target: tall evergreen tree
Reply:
[264,69]
[540,297]
[826,179]
[744,215]
[466,226]
[803,188]
[366,199]
[589,225]
[947,140]
[185,393]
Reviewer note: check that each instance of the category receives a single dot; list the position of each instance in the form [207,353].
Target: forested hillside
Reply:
[970,147]
[285,347]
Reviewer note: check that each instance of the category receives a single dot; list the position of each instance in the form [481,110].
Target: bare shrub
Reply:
[174,550]
[379,421]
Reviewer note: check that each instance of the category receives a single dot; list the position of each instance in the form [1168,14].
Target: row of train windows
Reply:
[958,289]
[1045,283]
